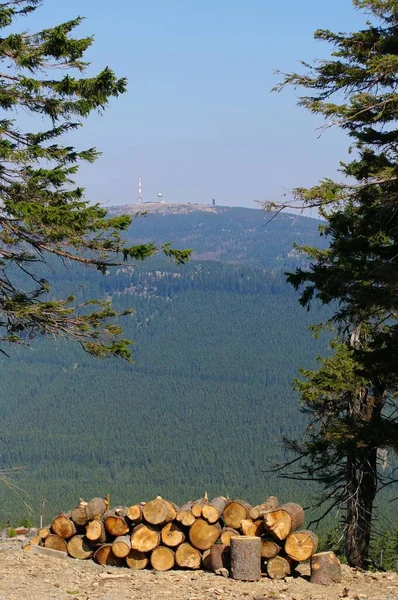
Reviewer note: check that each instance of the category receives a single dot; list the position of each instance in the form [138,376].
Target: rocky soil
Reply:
[25,576]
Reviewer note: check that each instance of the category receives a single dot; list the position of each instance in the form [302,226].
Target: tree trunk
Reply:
[246,558]
[172,535]
[121,546]
[79,547]
[214,509]
[145,538]
[162,559]
[325,568]
[136,560]
[95,531]
[187,556]
[159,512]
[55,542]
[251,528]
[63,526]
[226,534]
[301,545]
[278,567]
[235,512]
[259,511]
[284,520]
[105,556]
[202,535]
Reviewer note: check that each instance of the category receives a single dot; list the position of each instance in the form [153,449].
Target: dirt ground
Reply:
[24,576]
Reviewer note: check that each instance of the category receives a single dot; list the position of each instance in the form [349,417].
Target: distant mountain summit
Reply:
[224,233]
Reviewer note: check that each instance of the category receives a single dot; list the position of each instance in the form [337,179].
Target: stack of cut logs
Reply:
[160,535]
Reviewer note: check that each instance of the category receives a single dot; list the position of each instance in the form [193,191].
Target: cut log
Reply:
[284,520]
[96,508]
[79,547]
[159,512]
[226,534]
[220,557]
[269,547]
[79,514]
[35,540]
[246,558]
[206,560]
[235,512]
[105,556]
[203,535]
[256,512]
[134,513]
[250,527]
[278,567]
[95,531]
[63,526]
[162,559]
[27,547]
[115,523]
[187,556]
[172,535]
[55,542]
[213,510]
[136,560]
[145,538]
[44,532]
[121,546]
[197,506]
[325,568]
[301,545]
[185,516]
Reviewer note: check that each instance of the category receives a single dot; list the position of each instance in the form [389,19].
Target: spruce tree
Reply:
[352,396]
[42,211]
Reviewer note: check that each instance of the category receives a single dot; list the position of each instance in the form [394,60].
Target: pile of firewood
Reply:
[160,535]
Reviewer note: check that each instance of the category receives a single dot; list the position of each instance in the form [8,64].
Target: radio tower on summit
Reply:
[139,190]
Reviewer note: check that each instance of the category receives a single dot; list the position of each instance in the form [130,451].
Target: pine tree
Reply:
[355,90]
[43,212]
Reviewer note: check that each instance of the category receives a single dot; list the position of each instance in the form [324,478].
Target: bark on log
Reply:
[79,514]
[235,512]
[301,545]
[187,556]
[145,538]
[96,507]
[172,535]
[55,542]
[105,556]
[63,526]
[202,535]
[278,567]
[115,523]
[213,510]
[44,532]
[121,546]
[246,558]
[325,568]
[159,512]
[226,534]
[269,548]
[251,528]
[256,512]
[162,559]
[95,531]
[136,560]
[220,557]
[284,520]
[206,560]
[79,547]
[197,506]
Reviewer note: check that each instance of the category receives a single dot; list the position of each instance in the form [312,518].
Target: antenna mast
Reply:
[139,190]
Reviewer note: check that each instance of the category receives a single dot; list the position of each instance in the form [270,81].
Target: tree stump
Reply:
[187,556]
[301,545]
[284,520]
[246,558]
[325,568]
[136,560]
[162,559]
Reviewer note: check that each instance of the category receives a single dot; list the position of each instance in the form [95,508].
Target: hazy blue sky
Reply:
[199,121]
